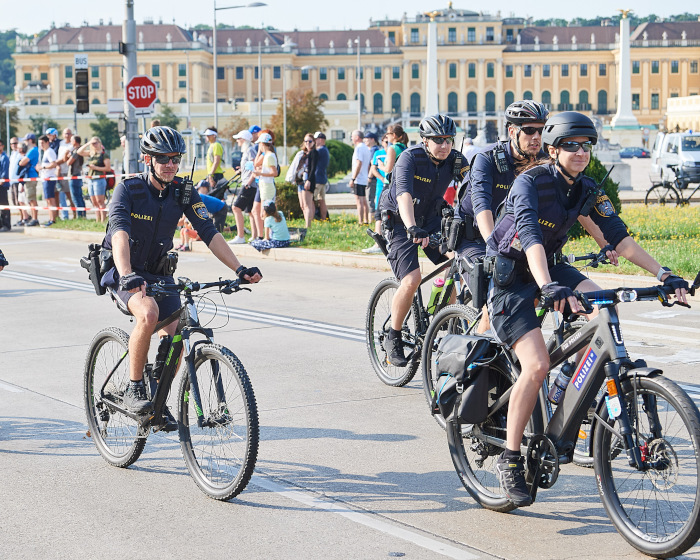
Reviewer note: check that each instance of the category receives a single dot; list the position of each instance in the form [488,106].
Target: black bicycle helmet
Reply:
[162,140]
[437,125]
[566,125]
[527,111]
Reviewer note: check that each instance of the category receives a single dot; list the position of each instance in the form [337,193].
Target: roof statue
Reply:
[625,13]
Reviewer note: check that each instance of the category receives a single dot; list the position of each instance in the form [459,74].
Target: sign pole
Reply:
[128,49]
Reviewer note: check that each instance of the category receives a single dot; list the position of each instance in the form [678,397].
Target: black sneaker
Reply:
[511,475]
[394,352]
[135,399]
[169,422]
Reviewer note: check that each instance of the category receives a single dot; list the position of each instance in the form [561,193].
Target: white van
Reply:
[681,149]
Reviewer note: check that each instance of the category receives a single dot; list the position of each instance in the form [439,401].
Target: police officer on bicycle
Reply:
[143,217]
[411,212]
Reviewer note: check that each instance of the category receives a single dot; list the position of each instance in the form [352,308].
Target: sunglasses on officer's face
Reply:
[440,140]
[532,130]
[163,160]
[573,147]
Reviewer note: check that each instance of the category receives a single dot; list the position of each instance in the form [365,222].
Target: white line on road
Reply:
[10,388]
[373,522]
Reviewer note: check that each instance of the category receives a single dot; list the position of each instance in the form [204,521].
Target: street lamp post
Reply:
[359,93]
[284,105]
[216,68]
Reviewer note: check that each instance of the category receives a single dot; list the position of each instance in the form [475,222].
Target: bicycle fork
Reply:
[203,421]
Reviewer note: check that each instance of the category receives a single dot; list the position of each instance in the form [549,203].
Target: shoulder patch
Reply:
[200,210]
[604,206]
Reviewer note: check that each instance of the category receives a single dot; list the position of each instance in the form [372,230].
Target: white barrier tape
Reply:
[84,177]
[80,208]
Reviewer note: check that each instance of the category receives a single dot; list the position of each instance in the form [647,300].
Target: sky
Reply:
[306,15]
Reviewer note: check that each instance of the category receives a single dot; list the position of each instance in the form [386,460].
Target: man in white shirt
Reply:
[63,186]
[47,171]
[361,160]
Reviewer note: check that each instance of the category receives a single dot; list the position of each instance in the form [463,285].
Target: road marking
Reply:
[646,325]
[373,522]
[10,388]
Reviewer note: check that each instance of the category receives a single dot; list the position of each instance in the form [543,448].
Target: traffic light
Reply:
[82,103]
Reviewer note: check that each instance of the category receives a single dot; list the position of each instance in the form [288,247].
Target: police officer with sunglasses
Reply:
[543,204]
[143,217]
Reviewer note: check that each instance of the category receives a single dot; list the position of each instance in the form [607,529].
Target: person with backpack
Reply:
[98,165]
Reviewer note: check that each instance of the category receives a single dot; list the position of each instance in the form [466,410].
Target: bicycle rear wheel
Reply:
[116,436]
[665,193]
[377,329]
[656,509]
[453,319]
[221,452]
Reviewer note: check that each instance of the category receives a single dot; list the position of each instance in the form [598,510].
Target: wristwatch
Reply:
[663,270]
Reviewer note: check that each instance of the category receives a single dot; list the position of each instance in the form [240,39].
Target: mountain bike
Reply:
[646,432]
[217,414]
[670,192]
[416,323]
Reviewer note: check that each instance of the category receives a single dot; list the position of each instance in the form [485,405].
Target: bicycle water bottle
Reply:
[438,285]
[561,383]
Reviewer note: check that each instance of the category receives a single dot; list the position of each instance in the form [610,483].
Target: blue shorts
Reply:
[472,250]
[97,187]
[168,305]
[49,190]
[512,309]
[403,252]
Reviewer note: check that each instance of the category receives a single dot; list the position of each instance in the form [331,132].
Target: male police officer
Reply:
[143,218]
[413,206]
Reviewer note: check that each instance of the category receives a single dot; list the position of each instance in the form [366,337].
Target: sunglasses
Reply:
[163,160]
[309,141]
[439,140]
[573,147]
[532,130]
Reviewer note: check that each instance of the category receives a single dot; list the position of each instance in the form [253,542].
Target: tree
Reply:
[106,130]
[168,117]
[41,122]
[233,126]
[7,63]
[304,115]
[14,123]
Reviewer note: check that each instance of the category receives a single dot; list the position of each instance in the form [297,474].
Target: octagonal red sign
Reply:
[141,92]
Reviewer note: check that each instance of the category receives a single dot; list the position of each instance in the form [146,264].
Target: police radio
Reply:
[499,155]
[185,190]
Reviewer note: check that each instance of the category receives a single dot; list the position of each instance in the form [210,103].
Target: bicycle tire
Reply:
[474,459]
[221,456]
[656,510]
[663,194]
[453,319]
[377,328]
[116,436]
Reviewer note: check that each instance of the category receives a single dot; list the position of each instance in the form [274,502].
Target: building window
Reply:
[414,35]
[276,72]
[635,102]
[415,74]
[674,94]
[95,72]
[27,77]
[693,66]
[69,101]
[182,100]
[654,66]
[341,97]
[510,98]
[155,70]
[323,96]
[395,102]
[182,84]
[452,35]
[564,101]
[583,70]
[654,101]
[583,104]
[471,102]
[362,73]
[635,67]
[489,34]
[471,70]
[674,67]
[69,85]
[471,34]
[527,70]
[490,70]
[546,70]
[44,76]
[377,72]
[323,73]
[602,70]
[95,101]
[220,72]
[396,72]
[602,102]
[509,70]
[182,71]
[239,72]
[547,98]
[564,70]
[490,102]
[415,103]
[341,73]
[392,36]
[378,104]
[452,103]
[527,95]
[453,69]
[157,82]
[509,35]
[95,85]
[304,73]
[69,72]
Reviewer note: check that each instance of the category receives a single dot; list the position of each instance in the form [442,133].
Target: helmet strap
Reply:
[425,146]
[162,183]
[516,145]
[564,171]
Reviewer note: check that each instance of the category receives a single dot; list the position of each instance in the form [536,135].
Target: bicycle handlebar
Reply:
[595,258]
[186,285]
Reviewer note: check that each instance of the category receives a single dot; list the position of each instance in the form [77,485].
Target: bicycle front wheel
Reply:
[662,194]
[377,330]
[219,441]
[116,435]
[453,319]
[657,508]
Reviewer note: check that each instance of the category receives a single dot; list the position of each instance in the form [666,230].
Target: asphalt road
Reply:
[348,467]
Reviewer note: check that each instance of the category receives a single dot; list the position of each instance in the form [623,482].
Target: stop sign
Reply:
[141,92]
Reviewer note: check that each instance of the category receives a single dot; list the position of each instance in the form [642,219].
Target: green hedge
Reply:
[287,200]
[341,157]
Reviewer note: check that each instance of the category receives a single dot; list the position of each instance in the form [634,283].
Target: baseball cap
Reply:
[264,138]
[255,128]
[210,132]
[30,136]
[245,135]
[372,135]
[319,134]
[51,131]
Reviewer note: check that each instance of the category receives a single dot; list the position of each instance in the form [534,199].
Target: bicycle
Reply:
[216,409]
[646,432]
[670,192]
[416,323]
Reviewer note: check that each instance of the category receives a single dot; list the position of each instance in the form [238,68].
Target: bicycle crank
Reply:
[542,462]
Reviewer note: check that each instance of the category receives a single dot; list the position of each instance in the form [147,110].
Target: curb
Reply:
[337,258]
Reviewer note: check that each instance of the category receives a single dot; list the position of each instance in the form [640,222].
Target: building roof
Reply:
[673,29]
[565,35]
[97,34]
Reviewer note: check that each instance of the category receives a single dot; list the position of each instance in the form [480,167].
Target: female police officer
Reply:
[542,205]
[143,217]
